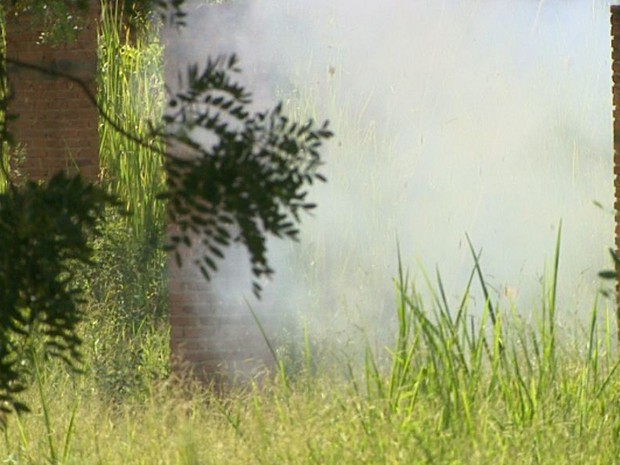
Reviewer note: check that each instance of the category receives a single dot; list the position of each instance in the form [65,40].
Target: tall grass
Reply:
[460,386]
[462,364]
[131,89]
[126,334]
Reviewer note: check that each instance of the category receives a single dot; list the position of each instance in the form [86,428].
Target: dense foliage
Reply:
[61,20]
[45,232]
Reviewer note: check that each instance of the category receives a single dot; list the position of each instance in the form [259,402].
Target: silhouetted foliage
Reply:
[235,175]
[611,275]
[45,231]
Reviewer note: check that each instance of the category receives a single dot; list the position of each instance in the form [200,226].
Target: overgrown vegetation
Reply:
[458,390]
[250,182]
[126,333]
[462,384]
[130,86]
[45,234]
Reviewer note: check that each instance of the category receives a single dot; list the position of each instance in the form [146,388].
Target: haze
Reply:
[491,118]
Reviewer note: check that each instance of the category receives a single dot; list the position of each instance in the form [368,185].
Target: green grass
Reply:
[452,388]
[130,88]
[126,334]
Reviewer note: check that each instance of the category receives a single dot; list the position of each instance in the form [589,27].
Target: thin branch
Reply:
[91,97]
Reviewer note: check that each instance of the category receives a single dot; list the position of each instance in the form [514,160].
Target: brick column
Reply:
[212,334]
[57,124]
[615,56]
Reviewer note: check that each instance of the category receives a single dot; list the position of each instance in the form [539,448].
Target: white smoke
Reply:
[491,118]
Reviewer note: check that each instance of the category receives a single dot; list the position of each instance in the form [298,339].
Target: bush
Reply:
[126,331]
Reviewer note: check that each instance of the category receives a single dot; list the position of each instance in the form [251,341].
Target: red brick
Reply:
[46,106]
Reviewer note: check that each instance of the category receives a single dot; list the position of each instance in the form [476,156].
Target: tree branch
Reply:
[91,97]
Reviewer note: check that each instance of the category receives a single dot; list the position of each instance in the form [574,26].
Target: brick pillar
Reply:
[615,56]
[191,318]
[57,124]
[212,334]
[212,330]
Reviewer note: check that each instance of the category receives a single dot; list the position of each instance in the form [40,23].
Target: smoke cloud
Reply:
[454,117]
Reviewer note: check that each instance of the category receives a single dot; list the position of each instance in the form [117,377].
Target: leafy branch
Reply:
[235,175]
[45,231]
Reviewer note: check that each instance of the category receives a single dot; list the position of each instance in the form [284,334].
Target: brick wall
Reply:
[213,332]
[57,125]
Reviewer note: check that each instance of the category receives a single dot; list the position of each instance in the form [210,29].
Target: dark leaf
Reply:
[608,274]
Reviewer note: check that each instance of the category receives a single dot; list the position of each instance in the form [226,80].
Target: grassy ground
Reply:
[445,392]
[450,388]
